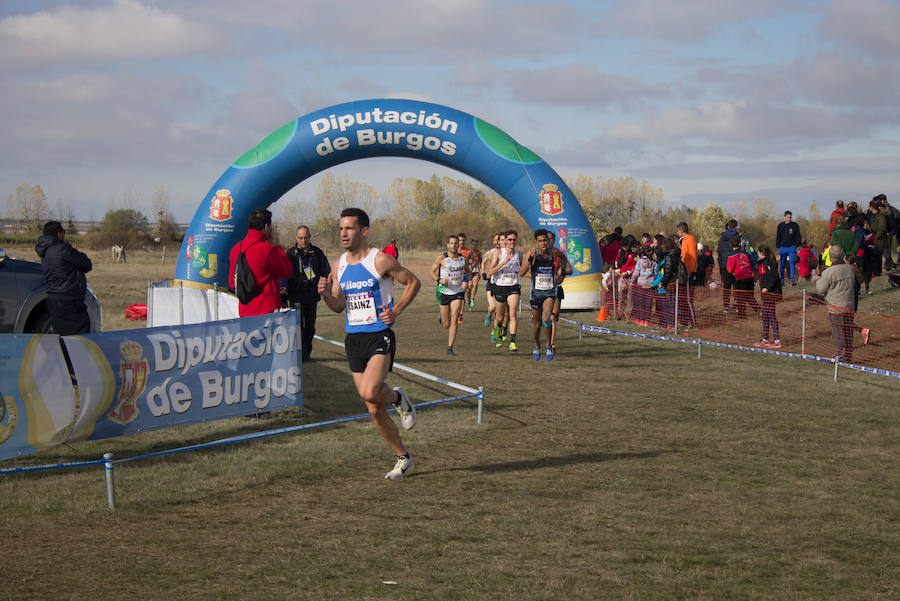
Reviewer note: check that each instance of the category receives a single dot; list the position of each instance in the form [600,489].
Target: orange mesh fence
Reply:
[798,324]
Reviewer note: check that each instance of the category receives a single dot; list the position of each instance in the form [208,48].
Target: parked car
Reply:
[23,299]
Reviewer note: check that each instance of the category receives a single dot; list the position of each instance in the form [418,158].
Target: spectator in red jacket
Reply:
[391,249]
[267,262]
[838,210]
[740,266]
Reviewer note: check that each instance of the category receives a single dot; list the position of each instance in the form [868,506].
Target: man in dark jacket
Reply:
[309,264]
[64,269]
[787,239]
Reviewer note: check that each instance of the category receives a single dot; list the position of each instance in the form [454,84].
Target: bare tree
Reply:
[28,206]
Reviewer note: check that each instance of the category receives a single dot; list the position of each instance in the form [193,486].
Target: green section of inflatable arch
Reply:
[271,145]
[503,144]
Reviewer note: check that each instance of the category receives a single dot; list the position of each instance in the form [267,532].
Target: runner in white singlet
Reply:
[449,270]
[504,266]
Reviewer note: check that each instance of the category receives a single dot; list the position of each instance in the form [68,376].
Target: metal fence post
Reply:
[481,404]
[110,481]
[180,303]
[676,307]
[803,324]
[149,304]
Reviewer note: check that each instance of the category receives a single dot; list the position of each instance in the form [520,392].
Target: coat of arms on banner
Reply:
[220,208]
[8,417]
[133,373]
[551,200]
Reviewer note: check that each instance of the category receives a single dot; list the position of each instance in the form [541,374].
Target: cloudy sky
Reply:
[707,99]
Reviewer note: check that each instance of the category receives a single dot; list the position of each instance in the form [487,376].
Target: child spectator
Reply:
[770,292]
[672,271]
[624,266]
[642,294]
[740,266]
[806,260]
[705,264]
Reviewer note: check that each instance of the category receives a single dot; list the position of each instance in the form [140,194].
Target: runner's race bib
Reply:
[455,280]
[506,279]
[361,310]
[543,281]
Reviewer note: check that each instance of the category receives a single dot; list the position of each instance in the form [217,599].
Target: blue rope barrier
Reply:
[596,329]
[230,440]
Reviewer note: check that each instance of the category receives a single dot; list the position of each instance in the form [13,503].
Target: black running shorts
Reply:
[446,299]
[501,293]
[362,346]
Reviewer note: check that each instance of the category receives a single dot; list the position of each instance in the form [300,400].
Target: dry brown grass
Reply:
[625,469]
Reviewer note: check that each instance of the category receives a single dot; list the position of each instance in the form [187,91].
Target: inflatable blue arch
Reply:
[395,128]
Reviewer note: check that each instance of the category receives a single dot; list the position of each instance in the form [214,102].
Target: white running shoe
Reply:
[403,466]
[405,410]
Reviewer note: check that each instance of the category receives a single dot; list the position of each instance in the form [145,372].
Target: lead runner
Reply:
[364,289]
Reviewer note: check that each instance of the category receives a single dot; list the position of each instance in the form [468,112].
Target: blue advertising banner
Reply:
[137,380]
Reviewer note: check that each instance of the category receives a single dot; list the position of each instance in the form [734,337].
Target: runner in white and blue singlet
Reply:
[449,270]
[364,289]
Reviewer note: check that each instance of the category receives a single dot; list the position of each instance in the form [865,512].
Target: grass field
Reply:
[625,469]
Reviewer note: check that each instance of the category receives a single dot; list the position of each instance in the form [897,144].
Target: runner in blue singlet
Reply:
[364,289]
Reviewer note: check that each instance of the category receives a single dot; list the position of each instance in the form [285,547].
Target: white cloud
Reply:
[580,84]
[870,25]
[683,21]
[125,29]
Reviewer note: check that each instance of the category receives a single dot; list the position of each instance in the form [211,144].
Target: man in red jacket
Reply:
[267,262]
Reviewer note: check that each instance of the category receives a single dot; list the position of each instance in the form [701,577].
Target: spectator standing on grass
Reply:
[391,249]
[770,293]
[308,263]
[837,283]
[894,221]
[740,267]
[363,290]
[267,263]
[642,293]
[724,251]
[787,239]
[624,266]
[687,242]
[880,222]
[806,260]
[672,270]
[64,268]
[838,210]
[871,257]
[843,237]
[705,264]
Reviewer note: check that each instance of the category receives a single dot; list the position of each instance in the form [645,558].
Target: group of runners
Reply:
[361,284]
[458,270]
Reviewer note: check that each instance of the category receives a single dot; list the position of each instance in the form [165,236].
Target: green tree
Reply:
[128,227]
[709,224]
